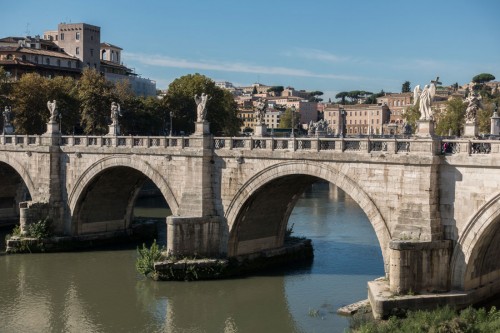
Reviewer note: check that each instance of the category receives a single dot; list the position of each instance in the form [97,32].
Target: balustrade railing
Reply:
[338,145]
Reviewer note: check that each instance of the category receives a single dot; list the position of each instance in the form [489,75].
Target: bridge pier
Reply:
[419,266]
[196,236]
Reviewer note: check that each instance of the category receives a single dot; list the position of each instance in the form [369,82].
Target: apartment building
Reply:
[65,52]
[361,119]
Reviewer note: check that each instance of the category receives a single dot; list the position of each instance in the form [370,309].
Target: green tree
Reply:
[64,91]
[5,87]
[29,98]
[313,96]
[95,96]
[486,112]
[483,78]
[411,115]
[451,120]
[372,99]
[254,90]
[286,119]
[221,108]
[277,90]
[406,87]
[342,95]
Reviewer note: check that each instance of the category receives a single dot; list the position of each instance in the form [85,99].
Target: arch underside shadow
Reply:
[476,257]
[13,190]
[258,215]
[102,198]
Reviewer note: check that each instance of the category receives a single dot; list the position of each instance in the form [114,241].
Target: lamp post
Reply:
[342,122]
[293,120]
[171,121]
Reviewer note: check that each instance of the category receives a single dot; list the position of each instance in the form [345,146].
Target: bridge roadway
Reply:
[436,213]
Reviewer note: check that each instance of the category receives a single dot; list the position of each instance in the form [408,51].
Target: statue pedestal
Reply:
[202,128]
[8,129]
[320,134]
[53,135]
[495,124]
[52,127]
[425,128]
[260,130]
[114,129]
[470,130]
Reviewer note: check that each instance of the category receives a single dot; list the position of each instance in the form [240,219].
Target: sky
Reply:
[329,45]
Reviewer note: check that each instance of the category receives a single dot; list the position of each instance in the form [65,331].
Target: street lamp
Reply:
[342,122]
[171,121]
[293,120]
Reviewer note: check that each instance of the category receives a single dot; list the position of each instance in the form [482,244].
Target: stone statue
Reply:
[52,106]
[115,112]
[7,116]
[260,111]
[474,105]
[201,107]
[426,96]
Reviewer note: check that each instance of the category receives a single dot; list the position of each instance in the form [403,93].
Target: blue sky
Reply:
[329,46]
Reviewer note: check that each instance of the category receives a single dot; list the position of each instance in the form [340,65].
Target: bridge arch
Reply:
[292,177]
[106,174]
[21,170]
[475,261]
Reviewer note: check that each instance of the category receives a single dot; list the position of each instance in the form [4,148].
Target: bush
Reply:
[442,320]
[146,259]
[40,229]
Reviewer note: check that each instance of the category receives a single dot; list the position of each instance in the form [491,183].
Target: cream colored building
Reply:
[361,119]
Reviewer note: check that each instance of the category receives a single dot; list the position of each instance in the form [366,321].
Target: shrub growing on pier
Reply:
[147,258]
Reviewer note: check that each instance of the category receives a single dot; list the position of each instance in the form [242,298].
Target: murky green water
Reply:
[100,291]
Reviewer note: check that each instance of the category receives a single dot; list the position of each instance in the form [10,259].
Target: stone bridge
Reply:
[434,204]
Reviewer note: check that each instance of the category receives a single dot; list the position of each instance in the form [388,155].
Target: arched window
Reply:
[9,56]
[103,55]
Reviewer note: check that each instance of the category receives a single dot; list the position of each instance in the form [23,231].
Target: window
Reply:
[24,57]
[91,52]
[77,37]
[36,59]
[9,56]
[69,64]
[58,62]
[77,50]
[62,36]
[47,61]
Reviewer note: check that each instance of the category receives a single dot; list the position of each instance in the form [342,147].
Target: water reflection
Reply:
[100,291]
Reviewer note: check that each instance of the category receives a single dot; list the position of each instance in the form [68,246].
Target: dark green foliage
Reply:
[221,108]
[442,320]
[146,259]
[483,78]
[40,229]
[276,89]
[411,115]
[452,119]
[406,87]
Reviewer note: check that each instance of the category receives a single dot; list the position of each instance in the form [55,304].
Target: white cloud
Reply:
[315,54]
[164,61]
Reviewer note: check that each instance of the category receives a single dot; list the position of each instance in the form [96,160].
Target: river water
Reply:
[100,291]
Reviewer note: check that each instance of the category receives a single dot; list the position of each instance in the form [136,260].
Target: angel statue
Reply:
[426,97]
[201,107]
[474,105]
[53,110]
[115,112]
[261,110]
[7,115]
